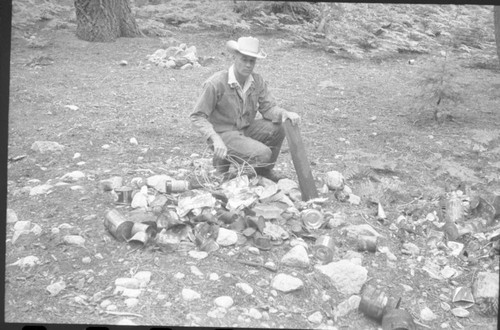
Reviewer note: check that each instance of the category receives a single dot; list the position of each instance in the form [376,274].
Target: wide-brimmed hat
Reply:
[247,46]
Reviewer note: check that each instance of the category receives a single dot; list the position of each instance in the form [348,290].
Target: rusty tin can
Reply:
[312,218]
[373,303]
[324,248]
[124,195]
[367,243]
[118,225]
[176,186]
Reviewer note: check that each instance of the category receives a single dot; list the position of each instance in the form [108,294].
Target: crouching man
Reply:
[225,113]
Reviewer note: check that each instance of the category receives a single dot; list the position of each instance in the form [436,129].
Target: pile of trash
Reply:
[175,57]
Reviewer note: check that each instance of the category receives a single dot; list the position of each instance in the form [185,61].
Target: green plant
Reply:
[439,91]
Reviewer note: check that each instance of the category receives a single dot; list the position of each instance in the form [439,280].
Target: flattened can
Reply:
[324,248]
[373,303]
[398,319]
[124,195]
[312,218]
[118,225]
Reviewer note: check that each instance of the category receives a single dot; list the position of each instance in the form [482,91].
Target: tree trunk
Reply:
[104,20]
[496,16]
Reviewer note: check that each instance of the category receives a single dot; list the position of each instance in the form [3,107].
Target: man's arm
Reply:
[199,118]
[271,111]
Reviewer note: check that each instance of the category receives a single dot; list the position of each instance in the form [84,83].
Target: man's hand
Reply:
[294,117]
[220,149]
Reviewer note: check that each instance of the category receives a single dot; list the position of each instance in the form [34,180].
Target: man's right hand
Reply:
[220,149]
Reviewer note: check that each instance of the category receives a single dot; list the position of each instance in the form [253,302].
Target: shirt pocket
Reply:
[229,103]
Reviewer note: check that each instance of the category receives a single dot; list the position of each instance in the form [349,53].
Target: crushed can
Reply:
[118,225]
[312,219]
[373,303]
[398,319]
[367,243]
[324,248]
[177,186]
[124,195]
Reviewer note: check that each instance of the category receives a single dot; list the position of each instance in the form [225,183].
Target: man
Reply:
[225,113]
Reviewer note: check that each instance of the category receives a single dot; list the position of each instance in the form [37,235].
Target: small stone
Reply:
[77,155]
[286,283]
[315,317]
[74,240]
[253,250]
[224,301]
[196,271]
[127,282]
[198,254]
[410,248]
[226,237]
[346,276]
[11,216]
[123,63]
[254,313]
[213,277]
[112,308]
[55,288]
[46,146]
[133,141]
[179,276]
[131,302]
[460,312]
[105,303]
[41,189]
[98,256]
[486,285]
[407,288]
[144,277]
[125,322]
[217,313]
[245,288]
[131,293]
[86,260]
[334,180]
[24,225]
[55,231]
[190,295]
[426,314]
[296,257]
[73,176]
[354,199]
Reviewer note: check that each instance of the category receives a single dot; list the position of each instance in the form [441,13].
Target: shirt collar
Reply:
[231,80]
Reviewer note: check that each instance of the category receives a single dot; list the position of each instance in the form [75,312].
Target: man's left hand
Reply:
[294,117]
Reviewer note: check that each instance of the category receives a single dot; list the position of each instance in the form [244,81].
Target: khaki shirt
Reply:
[223,106]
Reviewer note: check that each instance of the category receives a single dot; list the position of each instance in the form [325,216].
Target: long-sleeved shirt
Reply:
[224,106]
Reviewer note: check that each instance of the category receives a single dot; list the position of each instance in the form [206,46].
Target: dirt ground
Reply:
[354,113]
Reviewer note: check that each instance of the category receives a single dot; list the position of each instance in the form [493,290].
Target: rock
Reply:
[73,176]
[224,301]
[334,180]
[287,185]
[144,277]
[364,229]
[298,241]
[296,257]
[74,240]
[190,295]
[11,216]
[410,248]
[131,302]
[315,317]
[254,313]
[354,199]
[426,314]
[460,312]
[347,306]
[217,313]
[253,250]
[245,288]
[486,285]
[46,146]
[158,182]
[24,225]
[196,271]
[41,189]
[347,277]
[36,229]
[286,283]
[213,277]
[226,237]
[28,261]
[131,293]
[86,260]
[140,199]
[55,288]
[198,254]
[179,276]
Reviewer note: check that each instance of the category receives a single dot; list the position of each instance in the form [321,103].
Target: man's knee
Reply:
[263,155]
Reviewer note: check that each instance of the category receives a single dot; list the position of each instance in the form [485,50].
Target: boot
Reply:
[221,166]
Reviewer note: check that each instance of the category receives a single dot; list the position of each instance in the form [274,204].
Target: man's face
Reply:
[244,64]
